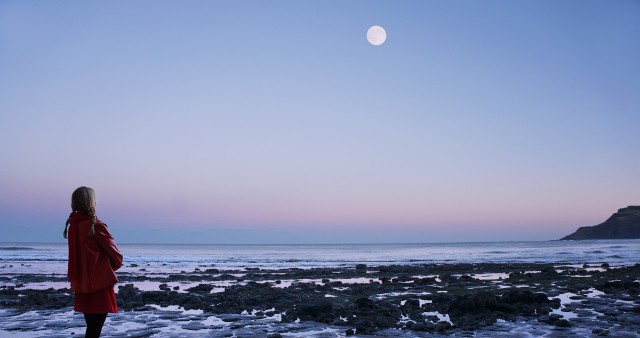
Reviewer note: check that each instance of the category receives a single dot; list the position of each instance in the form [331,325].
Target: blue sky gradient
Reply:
[276,122]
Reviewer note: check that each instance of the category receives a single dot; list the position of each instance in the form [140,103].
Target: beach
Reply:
[516,289]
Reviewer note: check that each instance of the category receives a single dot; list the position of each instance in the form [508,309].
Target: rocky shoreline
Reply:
[407,300]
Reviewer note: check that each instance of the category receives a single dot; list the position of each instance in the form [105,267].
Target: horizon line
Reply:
[294,244]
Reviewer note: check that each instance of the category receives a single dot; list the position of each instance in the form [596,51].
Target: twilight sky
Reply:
[277,122]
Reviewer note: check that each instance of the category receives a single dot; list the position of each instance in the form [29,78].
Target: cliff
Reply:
[624,224]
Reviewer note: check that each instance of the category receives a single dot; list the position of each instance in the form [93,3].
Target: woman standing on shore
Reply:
[93,258]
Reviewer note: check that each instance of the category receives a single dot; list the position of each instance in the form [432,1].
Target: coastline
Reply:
[413,300]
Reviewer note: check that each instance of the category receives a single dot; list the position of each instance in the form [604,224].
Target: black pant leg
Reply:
[95,321]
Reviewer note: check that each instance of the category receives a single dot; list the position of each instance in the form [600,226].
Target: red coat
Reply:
[92,260]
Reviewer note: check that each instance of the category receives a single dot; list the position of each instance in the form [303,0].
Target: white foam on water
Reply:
[494,276]
[40,319]
[43,286]
[421,302]
[441,317]
[254,312]
[513,286]
[214,321]
[20,334]
[396,294]
[359,280]
[424,301]
[288,282]
[277,317]
[123,326]
[176,308]
[403,319]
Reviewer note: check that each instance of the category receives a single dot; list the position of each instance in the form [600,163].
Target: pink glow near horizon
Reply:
[357,210]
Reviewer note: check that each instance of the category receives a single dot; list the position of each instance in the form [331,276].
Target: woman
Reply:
[93,258]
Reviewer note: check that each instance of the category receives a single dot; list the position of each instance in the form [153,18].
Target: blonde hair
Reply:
[83,199]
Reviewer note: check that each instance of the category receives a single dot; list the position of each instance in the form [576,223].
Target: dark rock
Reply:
[524,296]
[383,322]
[543,310]
[466,278]
[485,299]
[404,279]
[412,303]
[418,327]
[425,280]
[550,270]
[384,269]
[315,310]
[433,318]
[363,326]
[442,326]
[339,322]
[349,332]
[37,298]
[624,224]
[201,288]
[364,303]
[447,278]
[361,267]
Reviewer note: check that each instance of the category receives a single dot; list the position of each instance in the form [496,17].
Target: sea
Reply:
[48,258]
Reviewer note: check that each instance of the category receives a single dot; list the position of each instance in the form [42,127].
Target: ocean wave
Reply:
[16,248]
[27,259]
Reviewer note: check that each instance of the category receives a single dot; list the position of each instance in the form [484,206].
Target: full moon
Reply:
[376,35]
